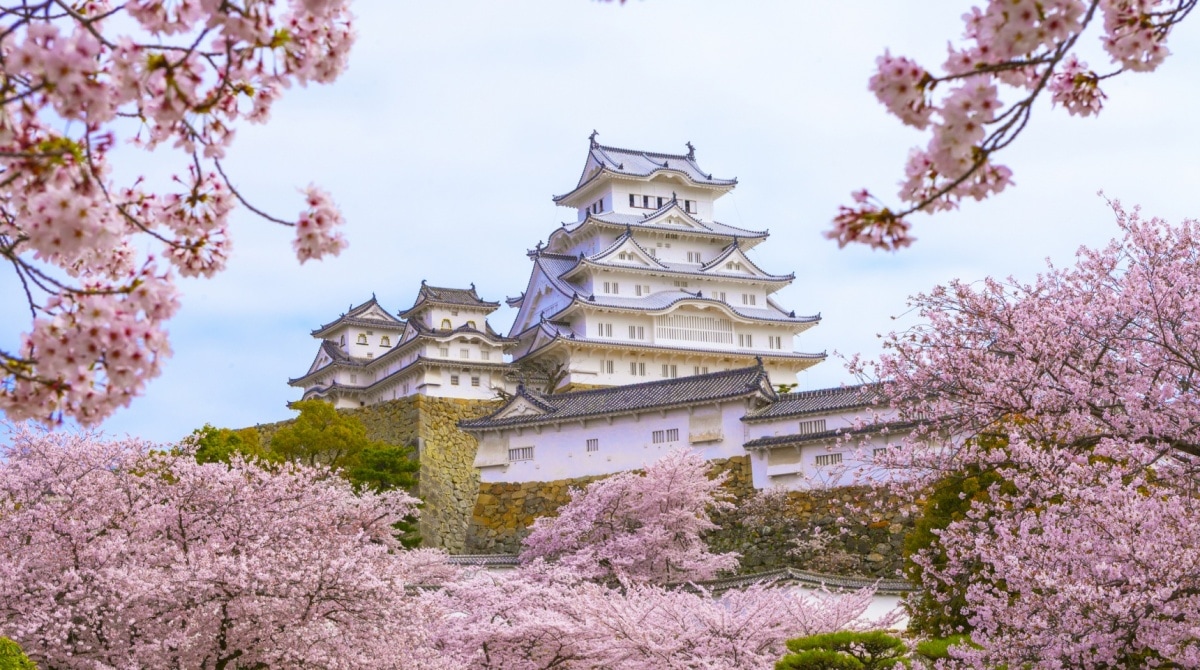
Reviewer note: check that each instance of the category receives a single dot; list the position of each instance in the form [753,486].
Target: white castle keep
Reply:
[643,311]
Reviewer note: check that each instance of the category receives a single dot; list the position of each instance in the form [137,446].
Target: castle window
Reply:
[646,201]
[353,379]
[660,201]
[343,342]
[745,340]
[668,435]
[700,370]
[653,252]
[444,352]
[454,380]
[878,451]
[693,256]
[471,324]
[631,197]
[637,332]
[811,427]
[604,329]
[520,454]
[679,283]
[464,353]
[593,444]
[775,342]
[385,341]
[670,371]
[823,460]
[637,369]
[642,289]
[362,339]
[612,287]
[736,267]
[370,354]
[687,206]
[475,380]
[606,366]
[485,355]
[719,295]
[445,324]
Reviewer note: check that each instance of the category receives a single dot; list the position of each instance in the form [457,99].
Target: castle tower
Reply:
[442,346]
[646,284]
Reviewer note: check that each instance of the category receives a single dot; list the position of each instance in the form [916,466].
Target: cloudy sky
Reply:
[457,121]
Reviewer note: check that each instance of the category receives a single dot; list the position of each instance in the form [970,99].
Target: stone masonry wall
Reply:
[859,534]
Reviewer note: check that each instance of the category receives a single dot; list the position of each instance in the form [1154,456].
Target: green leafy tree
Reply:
[12,658]
[321,435]
[219,444]
[845,650]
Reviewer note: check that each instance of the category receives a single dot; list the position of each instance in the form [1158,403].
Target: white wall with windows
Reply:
[600,446]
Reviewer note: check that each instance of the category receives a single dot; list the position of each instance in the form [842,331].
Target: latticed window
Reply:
[520,454]
[823,460]
[593,444]
[810,427]
[691,328]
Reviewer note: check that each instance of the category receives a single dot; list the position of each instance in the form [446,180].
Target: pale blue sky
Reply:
[457,121]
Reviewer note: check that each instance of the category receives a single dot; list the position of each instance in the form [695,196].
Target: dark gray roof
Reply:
[638,163]
[466,297]
[676,268]
[631,398]
[353,316]
[650,221]
[821,400]
[797,438]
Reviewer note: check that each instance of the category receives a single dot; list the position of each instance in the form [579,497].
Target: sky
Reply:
[457,121]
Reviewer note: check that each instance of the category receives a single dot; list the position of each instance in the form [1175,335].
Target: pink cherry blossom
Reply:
[189,71]
[1078,390]
[1012,51]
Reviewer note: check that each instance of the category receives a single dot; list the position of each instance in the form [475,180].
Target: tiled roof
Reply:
[821,400]
[650,221]
[466,297]
[353,316]
[689,269]
[423,330]
[564,335]
[637,163]
[665,299]
[798,438]
[631,398]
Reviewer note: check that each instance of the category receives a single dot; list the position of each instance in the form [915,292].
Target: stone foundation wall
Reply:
[449,480]
[859,533]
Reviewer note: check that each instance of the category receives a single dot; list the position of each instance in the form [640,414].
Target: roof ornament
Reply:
[592,138]
[759,360]
[422,282]
[792,314]
[691,154]
[592,298]
[674,198]
[472,286]
[666,163]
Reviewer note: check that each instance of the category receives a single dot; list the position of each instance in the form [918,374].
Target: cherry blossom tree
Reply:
[97,257]
[115,556]
[1026,48]
[1077,393]
[545,616]
[643,527]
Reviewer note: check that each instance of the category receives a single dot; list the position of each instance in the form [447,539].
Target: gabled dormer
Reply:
[441,308]
[632,181]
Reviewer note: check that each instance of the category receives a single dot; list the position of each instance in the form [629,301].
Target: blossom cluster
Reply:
[1077,393]
[114,555]
[1025,46]
[180,74]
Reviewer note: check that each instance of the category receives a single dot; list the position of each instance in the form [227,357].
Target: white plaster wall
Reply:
[560,451]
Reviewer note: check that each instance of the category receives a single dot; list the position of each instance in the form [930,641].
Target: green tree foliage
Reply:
[219,444]
[939,612]
[845,650]
[932,651]
[323,436]
[12,658]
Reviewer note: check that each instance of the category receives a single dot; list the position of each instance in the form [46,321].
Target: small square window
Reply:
[454,380]
[474,380]
[593,444]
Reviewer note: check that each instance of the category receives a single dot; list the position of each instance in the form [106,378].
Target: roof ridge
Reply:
[657,382]
[656,154]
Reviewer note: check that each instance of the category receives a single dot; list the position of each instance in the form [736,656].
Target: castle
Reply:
[644,326]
